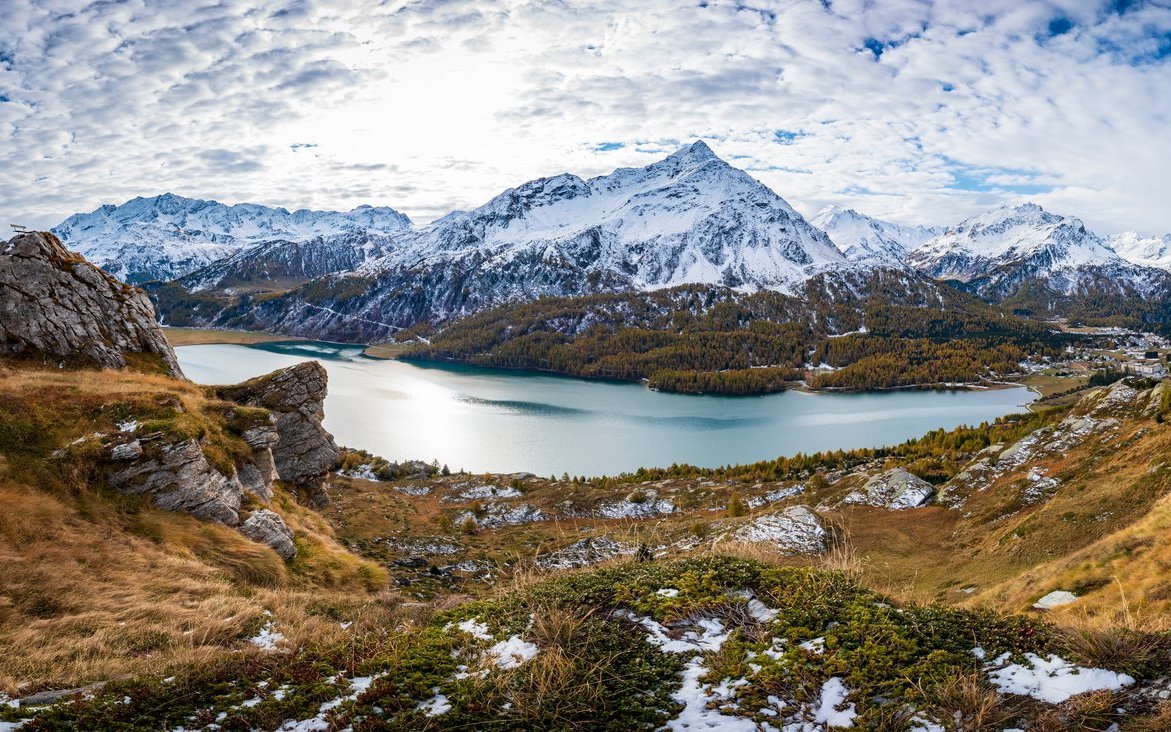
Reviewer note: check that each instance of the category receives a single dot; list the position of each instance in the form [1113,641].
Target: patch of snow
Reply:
[816,646]
[267,639]
[320,723]
[759,612]
[695,698]
[1054,599]
[833,709]
[1053,680]
[475,628]
[711,635]
[667,592]
[436,705]
[513,652]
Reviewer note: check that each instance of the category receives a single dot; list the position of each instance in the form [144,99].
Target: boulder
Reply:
[796,530]
[1057,598]
[895,489]
[267,527]
[305,451]
[55,303]
[178,477]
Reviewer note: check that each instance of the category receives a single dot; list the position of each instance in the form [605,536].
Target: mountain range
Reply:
[689,219]
[168,236]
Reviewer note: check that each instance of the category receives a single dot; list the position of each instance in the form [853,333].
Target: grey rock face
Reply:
[178,477]
[895,489]
[796,530]
[127,451]
[269,528]
[257,476]
[54,302]
[305,452]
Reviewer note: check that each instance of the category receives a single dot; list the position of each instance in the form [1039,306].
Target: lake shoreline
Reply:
[180,336]
[505,421]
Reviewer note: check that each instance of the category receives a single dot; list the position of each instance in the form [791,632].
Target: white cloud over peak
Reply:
[921,112]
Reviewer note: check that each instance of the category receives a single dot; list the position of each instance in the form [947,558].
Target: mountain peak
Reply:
[696,151]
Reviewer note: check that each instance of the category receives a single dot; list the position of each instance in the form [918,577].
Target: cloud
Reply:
[922,112]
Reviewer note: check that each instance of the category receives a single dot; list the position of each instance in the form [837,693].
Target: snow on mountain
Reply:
[1153,251]
[690,218]
[167,236]
[998,251]
[869,240]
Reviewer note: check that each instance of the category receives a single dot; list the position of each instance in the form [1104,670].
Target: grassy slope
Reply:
[100,586]
[96,585]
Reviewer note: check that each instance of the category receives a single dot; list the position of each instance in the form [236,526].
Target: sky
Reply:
[915,111]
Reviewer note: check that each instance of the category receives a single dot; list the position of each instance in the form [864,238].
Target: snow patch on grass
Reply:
[268,638]
[1053,680]
[513,652]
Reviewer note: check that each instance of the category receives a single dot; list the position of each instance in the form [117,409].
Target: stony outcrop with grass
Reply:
[305,451]
[178,477]
[57,306]
[895,489]
[212,465]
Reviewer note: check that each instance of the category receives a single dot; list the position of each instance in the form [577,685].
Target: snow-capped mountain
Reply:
[997,252]
[1151,251]
[869,240]
[690,218]
[168,236]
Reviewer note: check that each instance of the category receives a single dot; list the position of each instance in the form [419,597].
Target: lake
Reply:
[485,420]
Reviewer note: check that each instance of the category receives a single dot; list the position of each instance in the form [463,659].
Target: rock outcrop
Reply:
[305,452]
[178,477]
[796,530]
[55,303]
[279,417]
[268,527]
[895,489]
[257,476]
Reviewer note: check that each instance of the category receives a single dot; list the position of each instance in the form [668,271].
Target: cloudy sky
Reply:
[916,111]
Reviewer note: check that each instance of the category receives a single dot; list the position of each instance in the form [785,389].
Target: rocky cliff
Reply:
[54,303]
[305,451]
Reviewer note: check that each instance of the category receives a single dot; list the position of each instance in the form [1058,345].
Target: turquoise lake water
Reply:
[486,420]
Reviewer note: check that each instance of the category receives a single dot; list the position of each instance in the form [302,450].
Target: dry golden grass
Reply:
[96,585]
[968,702]
[87,598]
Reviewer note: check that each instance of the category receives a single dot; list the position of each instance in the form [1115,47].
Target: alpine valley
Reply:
[687,273]
[184,556]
